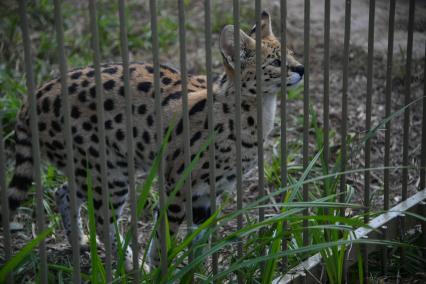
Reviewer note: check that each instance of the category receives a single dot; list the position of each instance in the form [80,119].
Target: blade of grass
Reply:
[22,254]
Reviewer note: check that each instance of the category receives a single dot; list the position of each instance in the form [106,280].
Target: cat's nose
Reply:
[299,69]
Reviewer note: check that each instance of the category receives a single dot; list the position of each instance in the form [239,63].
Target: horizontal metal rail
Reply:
[311,270]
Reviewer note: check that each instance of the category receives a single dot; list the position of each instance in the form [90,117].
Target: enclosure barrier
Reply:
[211,151]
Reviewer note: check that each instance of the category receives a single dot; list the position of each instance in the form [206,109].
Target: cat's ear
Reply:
[228,46]
[266,26]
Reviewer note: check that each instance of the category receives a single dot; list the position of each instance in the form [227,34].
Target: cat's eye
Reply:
[276,63]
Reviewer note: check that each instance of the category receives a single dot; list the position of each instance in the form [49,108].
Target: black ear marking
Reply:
[253,30]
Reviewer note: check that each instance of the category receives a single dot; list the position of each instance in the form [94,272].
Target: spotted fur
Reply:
[84,127]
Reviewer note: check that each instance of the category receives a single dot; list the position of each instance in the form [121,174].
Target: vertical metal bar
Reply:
[423,154]
[388,109]
[407,99]
[4,203]
[345,100]
[34,137]
[259,104]
[326,103]
[283,173]
[238,161]
[367,149]
[129,136]
[212,163]
[306,114]
[185,114]
[68,142]
[422,184]
[101,135]
[159,126]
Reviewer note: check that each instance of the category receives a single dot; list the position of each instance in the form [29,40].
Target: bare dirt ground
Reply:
[58,248]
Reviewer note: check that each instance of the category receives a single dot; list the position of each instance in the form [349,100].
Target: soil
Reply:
[58,250]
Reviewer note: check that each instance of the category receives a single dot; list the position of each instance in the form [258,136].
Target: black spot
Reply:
[173,96]
[92,106]
[20,182]
[166,80]
[97,204]
[45,105]
[108,124]
[225,150]
[206,165]
[75,112]
[82,96]
[48,87]
[150,120]
[110,70]
[135,131]
[245,106]
[179,127]
[20,159]
[223,80]
[87,126]
[225,108]
[91,73]
[56,126]
[253,91]
[140,146]
[118,118]
[200,214]
[57,106]
[247,145]
[109,105]
[181,168]
[231,137]
[39,94]
[230,178]
[142,109]
[119,134]
[121,192]
[85,83]
[146,137]
[250,121]
[94,138]
[72,89]
[92,92]
[144,86]
[93,152]
[94,119]
[195,137]
[109,85]
[199,106]
[175,219]
[201,81]
[219,128]
[121,91]
[58,145]
[176,154]
[175,208]
[150,69]
[76,75]
[73,129]
[231,125]
[78,139]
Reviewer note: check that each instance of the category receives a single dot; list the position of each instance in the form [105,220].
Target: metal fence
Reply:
[211,153]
